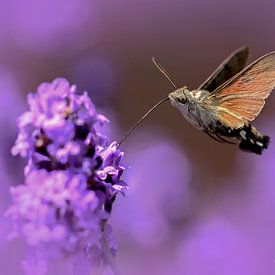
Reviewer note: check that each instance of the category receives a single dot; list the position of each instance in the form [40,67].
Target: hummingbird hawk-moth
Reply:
[228,101]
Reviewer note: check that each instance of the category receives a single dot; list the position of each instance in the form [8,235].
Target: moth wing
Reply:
[227,69]
[242,97]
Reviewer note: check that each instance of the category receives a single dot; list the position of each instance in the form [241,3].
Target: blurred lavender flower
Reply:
[167,197]
[216,246]
[9,88]
[71,180]
[60,25]
[160,202]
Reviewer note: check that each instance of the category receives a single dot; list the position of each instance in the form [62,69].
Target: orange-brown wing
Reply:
[242,97]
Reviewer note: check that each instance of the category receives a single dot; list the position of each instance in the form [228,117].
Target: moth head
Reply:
[179,96]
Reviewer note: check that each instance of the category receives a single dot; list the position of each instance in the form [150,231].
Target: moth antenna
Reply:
[164,72]
[141,119]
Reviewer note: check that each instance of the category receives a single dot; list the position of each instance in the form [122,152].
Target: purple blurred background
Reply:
[195,207]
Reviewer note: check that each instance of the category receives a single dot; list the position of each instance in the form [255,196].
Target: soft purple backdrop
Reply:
[195,207]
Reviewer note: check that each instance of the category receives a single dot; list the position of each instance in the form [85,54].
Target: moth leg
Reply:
[213,137]
[224,140]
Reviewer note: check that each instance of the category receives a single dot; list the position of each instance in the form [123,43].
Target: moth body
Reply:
[203,114]
[227,102]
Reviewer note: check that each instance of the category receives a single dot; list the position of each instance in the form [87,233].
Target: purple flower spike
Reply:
[71,180]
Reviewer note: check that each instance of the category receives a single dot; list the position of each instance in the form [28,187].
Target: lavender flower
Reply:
[71,180]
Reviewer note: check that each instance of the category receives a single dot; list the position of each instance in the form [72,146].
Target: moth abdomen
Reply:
[252,140]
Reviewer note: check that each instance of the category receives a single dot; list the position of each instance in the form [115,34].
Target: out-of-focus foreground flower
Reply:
[71,180]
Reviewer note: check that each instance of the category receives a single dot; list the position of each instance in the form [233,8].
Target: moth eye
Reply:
[182,100]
